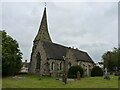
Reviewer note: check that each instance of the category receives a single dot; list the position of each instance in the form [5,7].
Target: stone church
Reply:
[48,58]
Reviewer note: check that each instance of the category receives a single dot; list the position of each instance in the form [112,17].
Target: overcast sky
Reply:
[89,26]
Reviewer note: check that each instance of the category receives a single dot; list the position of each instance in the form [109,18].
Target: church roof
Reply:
[56,51]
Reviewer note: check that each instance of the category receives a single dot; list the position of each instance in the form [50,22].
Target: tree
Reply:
[111,59]
[96,71]
[11,55]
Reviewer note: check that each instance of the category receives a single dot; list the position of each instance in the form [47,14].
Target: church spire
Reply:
[43,33]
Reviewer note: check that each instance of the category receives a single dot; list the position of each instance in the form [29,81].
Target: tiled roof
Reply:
[56,51]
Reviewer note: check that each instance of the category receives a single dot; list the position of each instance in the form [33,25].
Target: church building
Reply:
[48,58]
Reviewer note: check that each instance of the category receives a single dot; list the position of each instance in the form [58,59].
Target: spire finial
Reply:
[45,4]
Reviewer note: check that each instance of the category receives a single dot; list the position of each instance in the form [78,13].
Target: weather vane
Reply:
[45,4]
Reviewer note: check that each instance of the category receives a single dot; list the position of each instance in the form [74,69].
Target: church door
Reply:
[38,62]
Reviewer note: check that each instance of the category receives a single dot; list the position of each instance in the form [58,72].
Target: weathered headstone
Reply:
[40,78]
[107,77]
[78,75]
[64,78]
[19,78]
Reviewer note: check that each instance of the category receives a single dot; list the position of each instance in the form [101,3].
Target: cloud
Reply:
[91,27]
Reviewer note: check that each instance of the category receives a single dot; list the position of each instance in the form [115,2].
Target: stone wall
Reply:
[56,71]
[53,67]
[32,68]
[87,67]
[71,59]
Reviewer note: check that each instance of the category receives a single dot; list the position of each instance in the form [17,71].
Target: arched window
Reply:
[84,66]
[69,65]
[60,65]
[78,63]
[48,66]
[89,68]
[52,66]
[38,62]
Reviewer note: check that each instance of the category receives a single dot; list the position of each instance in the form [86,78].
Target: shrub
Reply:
[72,72]
[96,71]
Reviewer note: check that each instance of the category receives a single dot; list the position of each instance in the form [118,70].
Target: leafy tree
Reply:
[111,58]
[72,72]
[96,71]
[11,55]
[0,53]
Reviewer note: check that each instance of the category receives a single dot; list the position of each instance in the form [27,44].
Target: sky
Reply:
[88,26]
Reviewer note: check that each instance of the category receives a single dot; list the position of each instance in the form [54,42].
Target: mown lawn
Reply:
[49,82]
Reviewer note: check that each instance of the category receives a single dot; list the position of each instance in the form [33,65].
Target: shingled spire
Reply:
[43,33]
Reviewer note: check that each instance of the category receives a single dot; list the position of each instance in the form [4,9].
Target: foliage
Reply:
[96,71]
[72,72]
[11,55]
[110,59]
[0,53]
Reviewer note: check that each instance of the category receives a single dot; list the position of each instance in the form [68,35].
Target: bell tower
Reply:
[43,33]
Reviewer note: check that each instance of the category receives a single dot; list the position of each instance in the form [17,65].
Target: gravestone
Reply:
[40,78]
[78,75]
[106,75]
[19,78]
[64,78]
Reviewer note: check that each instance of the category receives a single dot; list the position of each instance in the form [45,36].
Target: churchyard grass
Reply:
[28,81]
